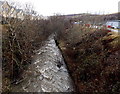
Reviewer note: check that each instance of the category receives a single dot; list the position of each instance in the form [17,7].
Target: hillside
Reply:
[92,18]
[94,61]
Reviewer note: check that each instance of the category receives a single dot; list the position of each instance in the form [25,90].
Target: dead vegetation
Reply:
[92,55]
[93,60]
[20,38]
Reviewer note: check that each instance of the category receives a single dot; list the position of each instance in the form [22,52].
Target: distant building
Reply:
[113,25]
[8,11]
[11,12]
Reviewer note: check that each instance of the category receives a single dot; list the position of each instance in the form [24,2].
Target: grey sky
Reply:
[49,7]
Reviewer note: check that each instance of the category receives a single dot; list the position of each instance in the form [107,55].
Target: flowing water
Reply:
[47,73]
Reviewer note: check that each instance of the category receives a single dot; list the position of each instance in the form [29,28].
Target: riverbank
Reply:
[94,61]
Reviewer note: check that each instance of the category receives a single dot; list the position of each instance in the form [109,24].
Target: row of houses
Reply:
[11,12]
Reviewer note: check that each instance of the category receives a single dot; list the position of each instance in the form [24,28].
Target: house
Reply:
[9,11]
[20,14]
[5,8]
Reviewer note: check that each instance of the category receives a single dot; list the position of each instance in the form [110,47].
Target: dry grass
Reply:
[93,61]
[20,39]
[92,56]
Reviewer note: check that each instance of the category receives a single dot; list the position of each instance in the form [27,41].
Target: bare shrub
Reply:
[93,61]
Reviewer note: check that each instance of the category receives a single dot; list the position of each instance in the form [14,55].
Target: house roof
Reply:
[1,3]
[18,10]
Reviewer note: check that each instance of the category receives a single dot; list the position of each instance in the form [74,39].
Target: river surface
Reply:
[47,73]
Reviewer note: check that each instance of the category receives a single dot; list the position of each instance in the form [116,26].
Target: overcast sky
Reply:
[49,7]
